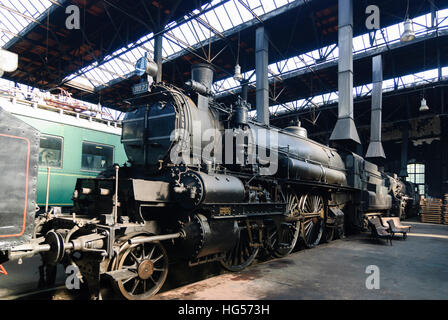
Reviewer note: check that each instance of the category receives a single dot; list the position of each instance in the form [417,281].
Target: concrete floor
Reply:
[413,269]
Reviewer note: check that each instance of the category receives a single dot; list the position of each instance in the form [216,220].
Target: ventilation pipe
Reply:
[261,71]
[158,56]
[375,149]
[345,129]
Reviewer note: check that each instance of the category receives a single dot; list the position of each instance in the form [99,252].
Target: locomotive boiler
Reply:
[204,183]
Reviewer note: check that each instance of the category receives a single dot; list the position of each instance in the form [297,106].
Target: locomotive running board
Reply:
[121,274]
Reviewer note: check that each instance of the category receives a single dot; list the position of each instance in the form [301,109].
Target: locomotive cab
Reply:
[18,165]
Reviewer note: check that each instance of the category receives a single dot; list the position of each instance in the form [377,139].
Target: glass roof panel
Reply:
[15,16]
[428,76]
[360,44]
[222,18]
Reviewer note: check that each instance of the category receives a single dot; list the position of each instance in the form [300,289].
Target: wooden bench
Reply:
[378,230]
[396,226]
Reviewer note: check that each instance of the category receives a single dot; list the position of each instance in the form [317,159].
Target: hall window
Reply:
[50,151]
[416,175]
[96,157]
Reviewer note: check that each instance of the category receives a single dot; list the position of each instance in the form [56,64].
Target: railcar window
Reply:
[96,157]
[50,151]
[416,174]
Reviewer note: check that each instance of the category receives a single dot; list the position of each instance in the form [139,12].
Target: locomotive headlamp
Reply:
[8,61]
[145,65]
[104,191]
[86,190]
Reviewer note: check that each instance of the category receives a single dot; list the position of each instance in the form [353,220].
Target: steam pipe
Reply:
[156,238]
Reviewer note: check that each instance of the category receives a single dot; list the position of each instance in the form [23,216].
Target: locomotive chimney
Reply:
[201,81]
[375,149]
[345,129]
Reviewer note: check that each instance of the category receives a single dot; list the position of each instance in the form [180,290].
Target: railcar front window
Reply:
[50,151]
[96,157]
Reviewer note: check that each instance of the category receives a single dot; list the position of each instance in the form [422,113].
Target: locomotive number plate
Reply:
[140,88]
[225,210]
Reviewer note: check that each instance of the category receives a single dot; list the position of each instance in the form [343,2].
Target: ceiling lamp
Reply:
[423,105]
[408,34]
[237,76]
[8,61]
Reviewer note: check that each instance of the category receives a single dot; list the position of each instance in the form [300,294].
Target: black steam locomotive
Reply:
[224,198]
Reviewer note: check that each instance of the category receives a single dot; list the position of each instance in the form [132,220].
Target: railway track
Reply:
[176,278]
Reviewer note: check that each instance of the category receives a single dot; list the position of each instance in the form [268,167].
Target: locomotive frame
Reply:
[128,221]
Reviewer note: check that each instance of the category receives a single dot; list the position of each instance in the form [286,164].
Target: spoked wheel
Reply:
[312,212]
[284,239]
[147,267]
[242,254]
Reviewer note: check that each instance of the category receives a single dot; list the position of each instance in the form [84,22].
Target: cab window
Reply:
[50,151]
[96,157]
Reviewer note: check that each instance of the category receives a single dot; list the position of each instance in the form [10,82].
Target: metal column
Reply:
[345,129]
[244,89]
[261,69]
[444,155]
[404,151]
[375,149]
[158,56]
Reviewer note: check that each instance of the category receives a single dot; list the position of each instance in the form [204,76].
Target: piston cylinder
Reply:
[205,237]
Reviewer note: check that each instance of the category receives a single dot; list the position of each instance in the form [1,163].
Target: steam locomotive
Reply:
[179,199]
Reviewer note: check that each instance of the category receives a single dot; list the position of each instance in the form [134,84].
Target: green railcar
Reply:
[72,146]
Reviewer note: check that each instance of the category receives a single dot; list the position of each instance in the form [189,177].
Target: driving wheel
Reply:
[242,254]
[312,212]
[284,238]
